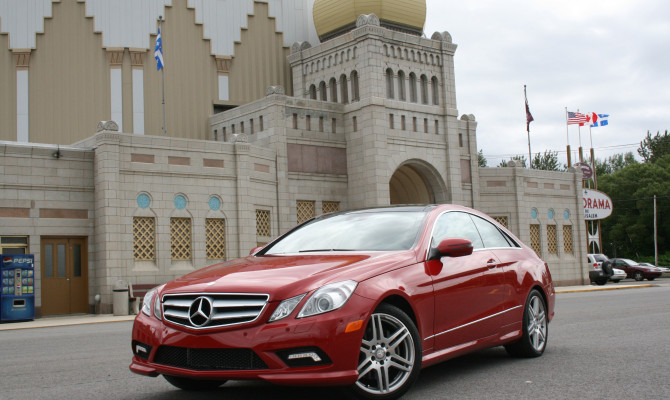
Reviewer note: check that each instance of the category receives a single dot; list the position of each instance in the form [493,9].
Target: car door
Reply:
[467,288]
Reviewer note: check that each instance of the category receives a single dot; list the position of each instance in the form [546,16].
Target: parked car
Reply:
[617,275]
[635,270]
[596,274]
[664,270]
[361,299]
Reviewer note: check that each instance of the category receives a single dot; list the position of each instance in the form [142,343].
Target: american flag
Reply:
[576,118]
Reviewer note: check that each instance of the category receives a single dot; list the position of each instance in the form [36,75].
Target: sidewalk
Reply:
[80,319]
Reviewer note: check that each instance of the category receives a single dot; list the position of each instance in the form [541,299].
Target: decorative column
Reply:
[115,56]
[223,64]
[22,59]
[137,57]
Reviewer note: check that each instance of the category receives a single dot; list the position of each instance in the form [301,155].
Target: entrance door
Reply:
[64,276]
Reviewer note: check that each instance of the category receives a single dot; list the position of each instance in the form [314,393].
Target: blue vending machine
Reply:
[17,292]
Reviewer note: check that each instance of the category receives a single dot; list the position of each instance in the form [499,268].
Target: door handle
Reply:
[491,263]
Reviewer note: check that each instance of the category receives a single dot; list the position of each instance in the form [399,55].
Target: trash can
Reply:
[120,300]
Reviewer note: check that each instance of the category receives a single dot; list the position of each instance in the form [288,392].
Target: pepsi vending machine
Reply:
[17,292]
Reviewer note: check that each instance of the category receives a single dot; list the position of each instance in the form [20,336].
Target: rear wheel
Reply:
[639,276]
[535,328]
[651,279]
[192,385]
[390,356]
[616,280]
[601,281]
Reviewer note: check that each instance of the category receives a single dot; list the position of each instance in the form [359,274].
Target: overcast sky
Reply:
[609,57]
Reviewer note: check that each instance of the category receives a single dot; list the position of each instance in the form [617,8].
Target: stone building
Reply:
[358,110]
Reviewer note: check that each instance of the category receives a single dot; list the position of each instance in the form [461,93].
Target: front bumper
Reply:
[268,344]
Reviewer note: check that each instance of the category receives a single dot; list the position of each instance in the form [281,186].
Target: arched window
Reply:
[412,87]
[436,90]
[355,96]
[322,91]
[312,92]
[344,89]
[401,86]
[333,90]
[389,83]
[424,89]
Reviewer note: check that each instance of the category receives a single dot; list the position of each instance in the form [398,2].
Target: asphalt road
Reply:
[605,344]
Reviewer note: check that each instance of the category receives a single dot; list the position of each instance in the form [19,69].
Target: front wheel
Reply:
[639,276]
[651,279]
[192,385]
[390,357]
[535,328]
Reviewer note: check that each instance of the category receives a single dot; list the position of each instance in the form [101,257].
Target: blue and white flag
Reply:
[158,52]
[599,120]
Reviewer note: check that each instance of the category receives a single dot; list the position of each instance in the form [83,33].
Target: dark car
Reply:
[360,299]
[635,270]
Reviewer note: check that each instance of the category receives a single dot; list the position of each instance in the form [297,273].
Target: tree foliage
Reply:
[654,147]
[614,163]
[630,228]
[521,159]
[481,159]
[547,161]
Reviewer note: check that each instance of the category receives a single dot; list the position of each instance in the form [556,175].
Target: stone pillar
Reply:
[137,57]
[115,57]
[22,59]
[223,64]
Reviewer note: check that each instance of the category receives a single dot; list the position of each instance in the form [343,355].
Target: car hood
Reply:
[284,276]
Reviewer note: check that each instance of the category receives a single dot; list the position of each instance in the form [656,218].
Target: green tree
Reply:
[614,163]
[653,148]
[547,161]
[521,159]
[630,227]
[481,159]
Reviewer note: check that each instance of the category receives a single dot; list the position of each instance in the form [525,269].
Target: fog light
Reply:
[141,350]
[315,357]
[304,357]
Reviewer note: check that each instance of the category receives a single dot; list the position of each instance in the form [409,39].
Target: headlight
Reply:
[328,298]
[286,307]
[152,300]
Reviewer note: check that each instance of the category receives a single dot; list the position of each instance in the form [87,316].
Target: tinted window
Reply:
[456,225]
[389,230]
[489,233]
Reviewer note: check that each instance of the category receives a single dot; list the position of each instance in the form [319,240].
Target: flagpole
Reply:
[160,25]
[528,119]
[567,138]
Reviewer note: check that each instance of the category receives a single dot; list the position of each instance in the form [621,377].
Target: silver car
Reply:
[617,275]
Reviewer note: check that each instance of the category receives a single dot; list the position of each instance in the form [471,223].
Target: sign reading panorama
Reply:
[597,205]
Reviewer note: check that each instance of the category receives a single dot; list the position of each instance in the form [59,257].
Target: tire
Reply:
[601,281]
[616,280]
[638,276]
[391,348]
[650,279]
[535,328]
[193,385]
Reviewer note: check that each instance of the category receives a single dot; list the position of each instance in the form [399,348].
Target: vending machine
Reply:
[17,291]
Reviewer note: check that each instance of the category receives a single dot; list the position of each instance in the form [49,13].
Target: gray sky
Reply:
[609,57]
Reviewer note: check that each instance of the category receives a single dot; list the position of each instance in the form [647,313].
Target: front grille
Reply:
[207,310]
[209,359]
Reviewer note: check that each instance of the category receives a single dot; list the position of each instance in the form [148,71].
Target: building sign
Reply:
[597,205]
[587,171]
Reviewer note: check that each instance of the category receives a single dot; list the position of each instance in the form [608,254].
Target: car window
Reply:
[491,236]
[600,258]
[456,225]
[358,231]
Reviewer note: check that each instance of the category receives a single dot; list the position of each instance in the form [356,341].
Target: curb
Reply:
[594,289]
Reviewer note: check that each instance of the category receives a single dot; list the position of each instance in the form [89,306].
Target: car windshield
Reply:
[599,257]
[357,231]
[628,262]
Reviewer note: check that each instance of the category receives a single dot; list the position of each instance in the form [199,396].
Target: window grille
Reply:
[502,221]
[262,223]
[305,210]
[535,238]
[567,239]
[330,206]
[215,238]
[144,239]
[552,239]
[180,238]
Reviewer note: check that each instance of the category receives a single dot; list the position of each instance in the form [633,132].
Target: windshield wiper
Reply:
[316,250]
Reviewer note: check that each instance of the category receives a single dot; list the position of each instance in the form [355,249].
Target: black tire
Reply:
[638,276]
[616,280]
[401,357]
[192,385]
[601,281]
[651,279]
[535,328]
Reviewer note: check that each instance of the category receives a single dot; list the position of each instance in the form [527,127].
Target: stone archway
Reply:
[415,182]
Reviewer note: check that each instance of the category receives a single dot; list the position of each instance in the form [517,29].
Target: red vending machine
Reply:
[17,289]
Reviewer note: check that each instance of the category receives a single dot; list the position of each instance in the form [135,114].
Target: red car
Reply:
[362,299]
[635,270]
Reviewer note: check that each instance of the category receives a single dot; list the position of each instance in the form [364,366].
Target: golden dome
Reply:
[333,17]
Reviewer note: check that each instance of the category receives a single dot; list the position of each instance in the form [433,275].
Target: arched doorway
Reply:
[415,182]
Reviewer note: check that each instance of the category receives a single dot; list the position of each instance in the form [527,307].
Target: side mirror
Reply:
[452,247]
[255,250]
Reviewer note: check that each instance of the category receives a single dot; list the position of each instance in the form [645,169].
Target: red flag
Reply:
[529,117]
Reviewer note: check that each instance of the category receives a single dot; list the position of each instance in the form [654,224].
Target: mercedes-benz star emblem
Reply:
[200,311]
